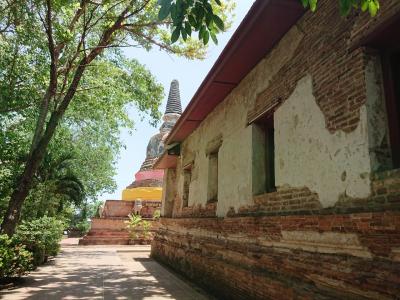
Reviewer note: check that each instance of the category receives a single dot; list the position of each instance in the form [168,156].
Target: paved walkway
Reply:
[103,272]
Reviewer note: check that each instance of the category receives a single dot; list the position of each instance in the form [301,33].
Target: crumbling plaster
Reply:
[234,158]
[306,154]
[169,192]
[228,122]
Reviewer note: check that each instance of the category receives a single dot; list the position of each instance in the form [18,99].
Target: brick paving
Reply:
[102,272]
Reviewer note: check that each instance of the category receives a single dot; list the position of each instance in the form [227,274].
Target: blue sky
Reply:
[165,68]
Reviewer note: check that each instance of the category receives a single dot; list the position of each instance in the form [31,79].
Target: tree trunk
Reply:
[24,183]
[20,193]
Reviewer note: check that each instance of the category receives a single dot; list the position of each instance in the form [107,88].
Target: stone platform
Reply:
[112,231]
[107,231]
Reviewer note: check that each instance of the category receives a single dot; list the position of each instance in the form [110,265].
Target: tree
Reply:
[88,135]
[55,43]
[203,16]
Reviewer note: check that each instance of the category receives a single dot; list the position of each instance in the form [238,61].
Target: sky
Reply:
[165,68]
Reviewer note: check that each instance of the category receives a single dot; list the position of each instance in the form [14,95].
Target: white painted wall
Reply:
[307,154]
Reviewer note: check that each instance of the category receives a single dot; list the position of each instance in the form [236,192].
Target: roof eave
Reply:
[220,80]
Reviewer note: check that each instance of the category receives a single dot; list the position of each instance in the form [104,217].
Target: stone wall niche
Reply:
[258,161]
[378,134]
[169,193]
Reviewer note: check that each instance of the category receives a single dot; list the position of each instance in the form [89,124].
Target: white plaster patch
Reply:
[307,154]
[326,242]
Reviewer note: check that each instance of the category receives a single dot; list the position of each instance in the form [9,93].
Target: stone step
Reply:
[107,233]
[103,241]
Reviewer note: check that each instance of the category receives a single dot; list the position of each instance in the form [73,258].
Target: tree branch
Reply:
[166,47]
[52,88]
[81,42]
[150,24]
[104,41]
[104,14]
[74,20]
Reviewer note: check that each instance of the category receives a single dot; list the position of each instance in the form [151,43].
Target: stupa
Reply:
[146,190]
[143,195]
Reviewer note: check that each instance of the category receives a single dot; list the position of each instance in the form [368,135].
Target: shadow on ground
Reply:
[93,273]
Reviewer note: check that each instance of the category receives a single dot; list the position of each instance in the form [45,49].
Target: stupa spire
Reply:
[174,99]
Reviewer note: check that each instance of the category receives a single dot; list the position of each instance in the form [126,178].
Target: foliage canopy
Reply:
[65,86]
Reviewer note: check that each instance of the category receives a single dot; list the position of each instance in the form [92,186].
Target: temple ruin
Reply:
[282,178]
[143,196]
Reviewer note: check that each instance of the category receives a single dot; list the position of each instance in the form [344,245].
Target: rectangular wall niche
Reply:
[263,148]
[187,178]
[383,39]
[391,74]
[212,191]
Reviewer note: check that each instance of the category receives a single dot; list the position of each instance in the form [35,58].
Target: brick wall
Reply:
[385,195]
[146,183]
[326,53]
[108,224]
[117,208]
[346,256]
[285,245]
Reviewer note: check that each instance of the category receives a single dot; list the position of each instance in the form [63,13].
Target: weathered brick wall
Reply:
[385,195]
[117,208]
[344,256]
[326,53]
[146,183]
[111,223]
[285,244]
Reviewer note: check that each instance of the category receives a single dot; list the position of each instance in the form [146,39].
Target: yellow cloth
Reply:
[142,193]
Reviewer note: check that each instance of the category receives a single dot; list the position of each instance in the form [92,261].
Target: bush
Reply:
[41,237]
[15,260]
[80,229]
[135,222]
[132,224]
[156,214]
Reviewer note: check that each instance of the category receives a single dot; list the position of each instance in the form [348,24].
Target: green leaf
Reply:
[364,5]
[206,37]
[345,7]
[214,38]
[200,14]
[313,5]
[192,20]
[305,3]
[218,2]
[201,31]
[164,10]
[373,7]
[175,35]
[209,18]
[184,34]
[188,28]
[220,24]
[174,14]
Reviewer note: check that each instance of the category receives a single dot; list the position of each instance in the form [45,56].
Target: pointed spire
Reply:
[174,99]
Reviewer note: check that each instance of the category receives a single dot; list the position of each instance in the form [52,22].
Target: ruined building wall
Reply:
[331,230]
